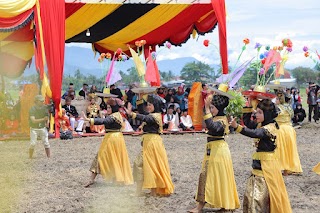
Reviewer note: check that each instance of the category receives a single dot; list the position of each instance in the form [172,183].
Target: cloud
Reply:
[267,23]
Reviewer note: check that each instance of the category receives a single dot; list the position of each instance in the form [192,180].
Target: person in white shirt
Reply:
[186,121]
[169,117]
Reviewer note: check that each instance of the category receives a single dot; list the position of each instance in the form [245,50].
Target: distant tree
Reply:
[166,76]
[196,72]
[304,75]
[130,76]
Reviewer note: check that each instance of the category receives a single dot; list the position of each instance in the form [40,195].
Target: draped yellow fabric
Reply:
[79,21]
[23,50]
[137,60]
[145,24]
[45,88]
[11,8]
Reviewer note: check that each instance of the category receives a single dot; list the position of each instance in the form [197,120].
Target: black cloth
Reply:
[117,92]
[266,142]
[109,123]
[151,125]
[71,110]
[66,135]
[215,128]
[82,93]
[314,109]
[130,95]
[38,113]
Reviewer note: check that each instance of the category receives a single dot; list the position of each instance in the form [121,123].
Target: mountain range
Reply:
[85,60]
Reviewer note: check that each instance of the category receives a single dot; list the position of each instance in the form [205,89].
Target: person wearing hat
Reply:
[151,168]
[312,91]
[217,187]
[265,190]
[112,160]
[287,150]
[38,119]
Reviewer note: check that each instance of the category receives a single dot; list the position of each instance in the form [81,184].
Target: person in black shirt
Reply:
[84,91]
[299,115]
[312,91]
[38,118]
[116,91]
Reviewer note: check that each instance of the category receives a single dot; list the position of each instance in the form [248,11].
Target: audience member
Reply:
[84,91]
[169,117]
[299,115]
[73,115]
[64,126]
[116,91]
[312,91]
[70,92]
[179,96]
[186,121]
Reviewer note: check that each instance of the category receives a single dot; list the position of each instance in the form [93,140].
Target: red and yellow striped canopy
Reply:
[111,26]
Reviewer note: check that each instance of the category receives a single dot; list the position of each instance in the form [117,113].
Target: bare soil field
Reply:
[56,184]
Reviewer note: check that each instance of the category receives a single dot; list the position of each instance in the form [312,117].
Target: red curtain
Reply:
[53,24]
[220,11]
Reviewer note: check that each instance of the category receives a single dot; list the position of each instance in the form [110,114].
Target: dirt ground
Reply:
[56,184]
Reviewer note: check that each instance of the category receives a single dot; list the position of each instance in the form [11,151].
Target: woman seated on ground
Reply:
[186,121]
[299,115]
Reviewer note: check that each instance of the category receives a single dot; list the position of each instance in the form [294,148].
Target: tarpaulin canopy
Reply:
[111,26]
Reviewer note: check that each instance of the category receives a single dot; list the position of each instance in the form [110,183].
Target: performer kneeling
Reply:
[112,160]
[217,186]
[266,191]
[151,168]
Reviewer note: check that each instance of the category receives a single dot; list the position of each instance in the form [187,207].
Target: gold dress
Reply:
[151,166]
[316,169]
[112,160]
[217,186]
[287,150]
[265,190]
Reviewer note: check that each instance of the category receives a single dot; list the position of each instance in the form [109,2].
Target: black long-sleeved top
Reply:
[266,140]
[111,122]
[153,121]
[216,126]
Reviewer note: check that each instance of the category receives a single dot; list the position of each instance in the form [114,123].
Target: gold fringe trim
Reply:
[118,118]
[207,116]
[158,119]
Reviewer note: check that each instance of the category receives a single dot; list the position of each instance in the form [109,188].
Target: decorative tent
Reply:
[41,27]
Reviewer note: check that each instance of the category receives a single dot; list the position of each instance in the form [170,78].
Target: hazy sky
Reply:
[266,22]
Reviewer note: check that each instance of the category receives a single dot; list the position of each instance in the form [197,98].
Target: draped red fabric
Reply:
[39,60]
[220,11]
[53,24]
[15,21]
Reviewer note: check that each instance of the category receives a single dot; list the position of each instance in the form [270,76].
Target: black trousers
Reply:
[313,108]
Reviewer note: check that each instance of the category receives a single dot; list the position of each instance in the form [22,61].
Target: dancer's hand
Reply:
[233,122]
[128,109]
[207,103]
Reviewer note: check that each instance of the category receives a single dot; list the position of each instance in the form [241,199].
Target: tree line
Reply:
[191,72]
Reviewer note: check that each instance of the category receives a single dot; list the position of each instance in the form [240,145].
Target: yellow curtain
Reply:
[23,50]
[11,8]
